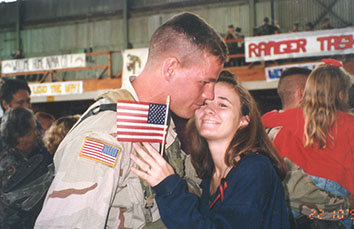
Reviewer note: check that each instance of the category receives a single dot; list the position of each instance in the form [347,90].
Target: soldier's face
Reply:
[193,85]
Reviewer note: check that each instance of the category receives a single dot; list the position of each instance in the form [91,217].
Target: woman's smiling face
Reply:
[220,118]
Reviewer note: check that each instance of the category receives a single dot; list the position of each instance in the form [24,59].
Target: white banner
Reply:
[303,44]
[134,61]
[43,63]
[58,88]
[273,73]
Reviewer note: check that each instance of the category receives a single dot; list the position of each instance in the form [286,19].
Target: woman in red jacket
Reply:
[319,136]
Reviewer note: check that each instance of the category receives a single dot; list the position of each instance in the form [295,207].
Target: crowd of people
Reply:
[72,172]
[28,142]
[235,43]
[268,28]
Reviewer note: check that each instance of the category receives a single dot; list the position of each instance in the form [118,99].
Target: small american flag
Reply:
[141,121]
[99,151]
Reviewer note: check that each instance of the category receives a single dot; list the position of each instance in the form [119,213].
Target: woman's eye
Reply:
[222,105]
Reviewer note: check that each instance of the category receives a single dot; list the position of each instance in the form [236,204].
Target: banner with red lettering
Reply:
[302,44]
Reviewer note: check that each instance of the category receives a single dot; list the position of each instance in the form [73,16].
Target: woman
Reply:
[57,131]
[319,136]
[24,173]
[239,167]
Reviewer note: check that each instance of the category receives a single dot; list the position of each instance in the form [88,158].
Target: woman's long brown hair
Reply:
[249,139]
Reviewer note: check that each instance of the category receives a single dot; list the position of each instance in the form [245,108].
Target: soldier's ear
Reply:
[169,67]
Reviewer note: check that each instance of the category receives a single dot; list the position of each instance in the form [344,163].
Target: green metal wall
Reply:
[53,27]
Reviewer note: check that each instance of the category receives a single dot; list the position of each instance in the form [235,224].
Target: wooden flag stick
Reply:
[165,127]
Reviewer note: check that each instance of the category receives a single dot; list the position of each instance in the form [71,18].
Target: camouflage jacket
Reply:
[88,193]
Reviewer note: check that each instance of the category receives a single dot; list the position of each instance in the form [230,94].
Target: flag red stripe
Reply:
[132,102]
[133,108]
[139,134]
[93,143]
[140,127]
[85,149]
[133,114]
[103,157]
[132,121]
[139,140]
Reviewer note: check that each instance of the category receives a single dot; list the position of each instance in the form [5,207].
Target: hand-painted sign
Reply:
[43,63]
[303,44]
[58,88]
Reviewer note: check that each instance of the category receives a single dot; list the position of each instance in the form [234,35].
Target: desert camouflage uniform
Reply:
[89,194]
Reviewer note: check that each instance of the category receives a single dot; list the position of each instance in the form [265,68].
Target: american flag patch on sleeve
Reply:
[100,151]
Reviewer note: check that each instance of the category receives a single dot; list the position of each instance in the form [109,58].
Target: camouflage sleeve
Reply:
[272,132]
[306,198]
[91,169]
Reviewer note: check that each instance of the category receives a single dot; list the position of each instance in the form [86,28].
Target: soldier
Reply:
[24,173]
[184,61]
[302,194]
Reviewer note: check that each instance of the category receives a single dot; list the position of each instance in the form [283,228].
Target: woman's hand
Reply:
[154,168]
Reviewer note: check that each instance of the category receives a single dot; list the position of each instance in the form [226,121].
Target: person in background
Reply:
[240,48]
[318,135]
[266,28]
[25,173]
[15,93]
[231,35]
[185,58]
[309,26]
[296,27]
[277,25]
[238,33]
[18,54]
[240,168]
[57,131]
[300,188]
[326,24]
[45,120]
[291,86]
